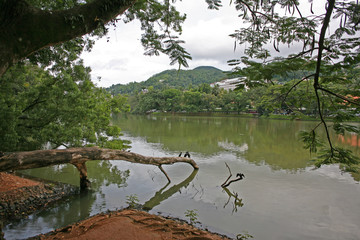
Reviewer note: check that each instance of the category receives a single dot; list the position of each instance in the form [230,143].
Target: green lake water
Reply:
[281,197]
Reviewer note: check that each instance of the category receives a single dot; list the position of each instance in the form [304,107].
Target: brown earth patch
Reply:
[130,224]
[9,182]
[125,224]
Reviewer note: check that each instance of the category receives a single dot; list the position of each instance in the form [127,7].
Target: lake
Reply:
[281,197]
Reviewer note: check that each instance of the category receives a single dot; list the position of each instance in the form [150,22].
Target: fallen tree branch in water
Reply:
[239,176]
[78,157]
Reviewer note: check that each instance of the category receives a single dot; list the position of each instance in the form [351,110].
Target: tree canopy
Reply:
[52,35]
[329,50]
[28,26]
[47,95]
[178,79]
[67,110]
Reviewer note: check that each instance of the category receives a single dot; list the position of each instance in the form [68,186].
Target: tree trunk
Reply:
[78,157]
[25,29]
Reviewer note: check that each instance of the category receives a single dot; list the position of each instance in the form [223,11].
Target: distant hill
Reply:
[172,79]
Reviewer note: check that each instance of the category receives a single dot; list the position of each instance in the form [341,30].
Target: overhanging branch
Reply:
[43,158]
[339,96]
[78,157]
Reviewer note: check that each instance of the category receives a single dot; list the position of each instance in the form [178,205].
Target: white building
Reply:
[228,84]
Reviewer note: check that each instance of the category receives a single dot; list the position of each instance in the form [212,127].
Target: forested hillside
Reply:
[172,79]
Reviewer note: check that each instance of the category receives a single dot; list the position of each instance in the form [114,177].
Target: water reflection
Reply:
[75,208]
[284,204]
[261,141]
[161,196]
[100,173]
[238,202]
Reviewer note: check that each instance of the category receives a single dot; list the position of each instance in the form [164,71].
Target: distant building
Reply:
[228,84]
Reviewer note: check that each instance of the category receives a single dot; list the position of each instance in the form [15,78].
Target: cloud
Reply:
[206,33]
[121,59]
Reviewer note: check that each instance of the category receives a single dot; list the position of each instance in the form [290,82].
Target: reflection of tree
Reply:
[194,134]
[161,196]
[274,142]
[105,173]
[102,173]
[237,201]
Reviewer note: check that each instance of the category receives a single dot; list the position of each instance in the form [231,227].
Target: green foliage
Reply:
[192,215]
[341,128]
[244,236]
[161,23]
[327,58]
[116,144]
[132,200]
[64,110]
[62,107]
[279,70]
[311,140]
[172,79]
[196,100]
[348,161]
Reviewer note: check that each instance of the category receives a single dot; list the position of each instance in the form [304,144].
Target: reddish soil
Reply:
[126,224]
[130,225]
[10,182]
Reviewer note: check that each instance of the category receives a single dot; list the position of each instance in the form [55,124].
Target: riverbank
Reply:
[20,197]
[129,224]
[291,117]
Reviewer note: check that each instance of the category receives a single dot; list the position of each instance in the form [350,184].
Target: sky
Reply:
[205,32]
[120,58]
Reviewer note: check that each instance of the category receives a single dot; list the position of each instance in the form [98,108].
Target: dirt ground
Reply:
[10,182]
[125,224]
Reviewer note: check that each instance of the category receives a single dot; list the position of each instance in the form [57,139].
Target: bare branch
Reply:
[163,171]
[297,9]
[254,13]
[339,96]
[330,8]
[230,175]
[239,176]
[324,27]
[303,79]
[323,121]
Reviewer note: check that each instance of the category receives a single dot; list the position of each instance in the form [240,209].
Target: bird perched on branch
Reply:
[180,154]
[187,154]
[240,175]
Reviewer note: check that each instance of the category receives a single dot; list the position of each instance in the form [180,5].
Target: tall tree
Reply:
[67,110]
[327,52]
[60,105]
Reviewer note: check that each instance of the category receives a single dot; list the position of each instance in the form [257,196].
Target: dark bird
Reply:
[240,175]
[180,154]
[187,154]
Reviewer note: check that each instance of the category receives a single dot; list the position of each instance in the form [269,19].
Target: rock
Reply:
[20,202]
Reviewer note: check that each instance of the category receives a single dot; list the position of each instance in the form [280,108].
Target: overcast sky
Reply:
[206,33]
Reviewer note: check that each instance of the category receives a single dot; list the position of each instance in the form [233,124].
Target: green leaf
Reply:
[310,140]
[337,155]
[341,128]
